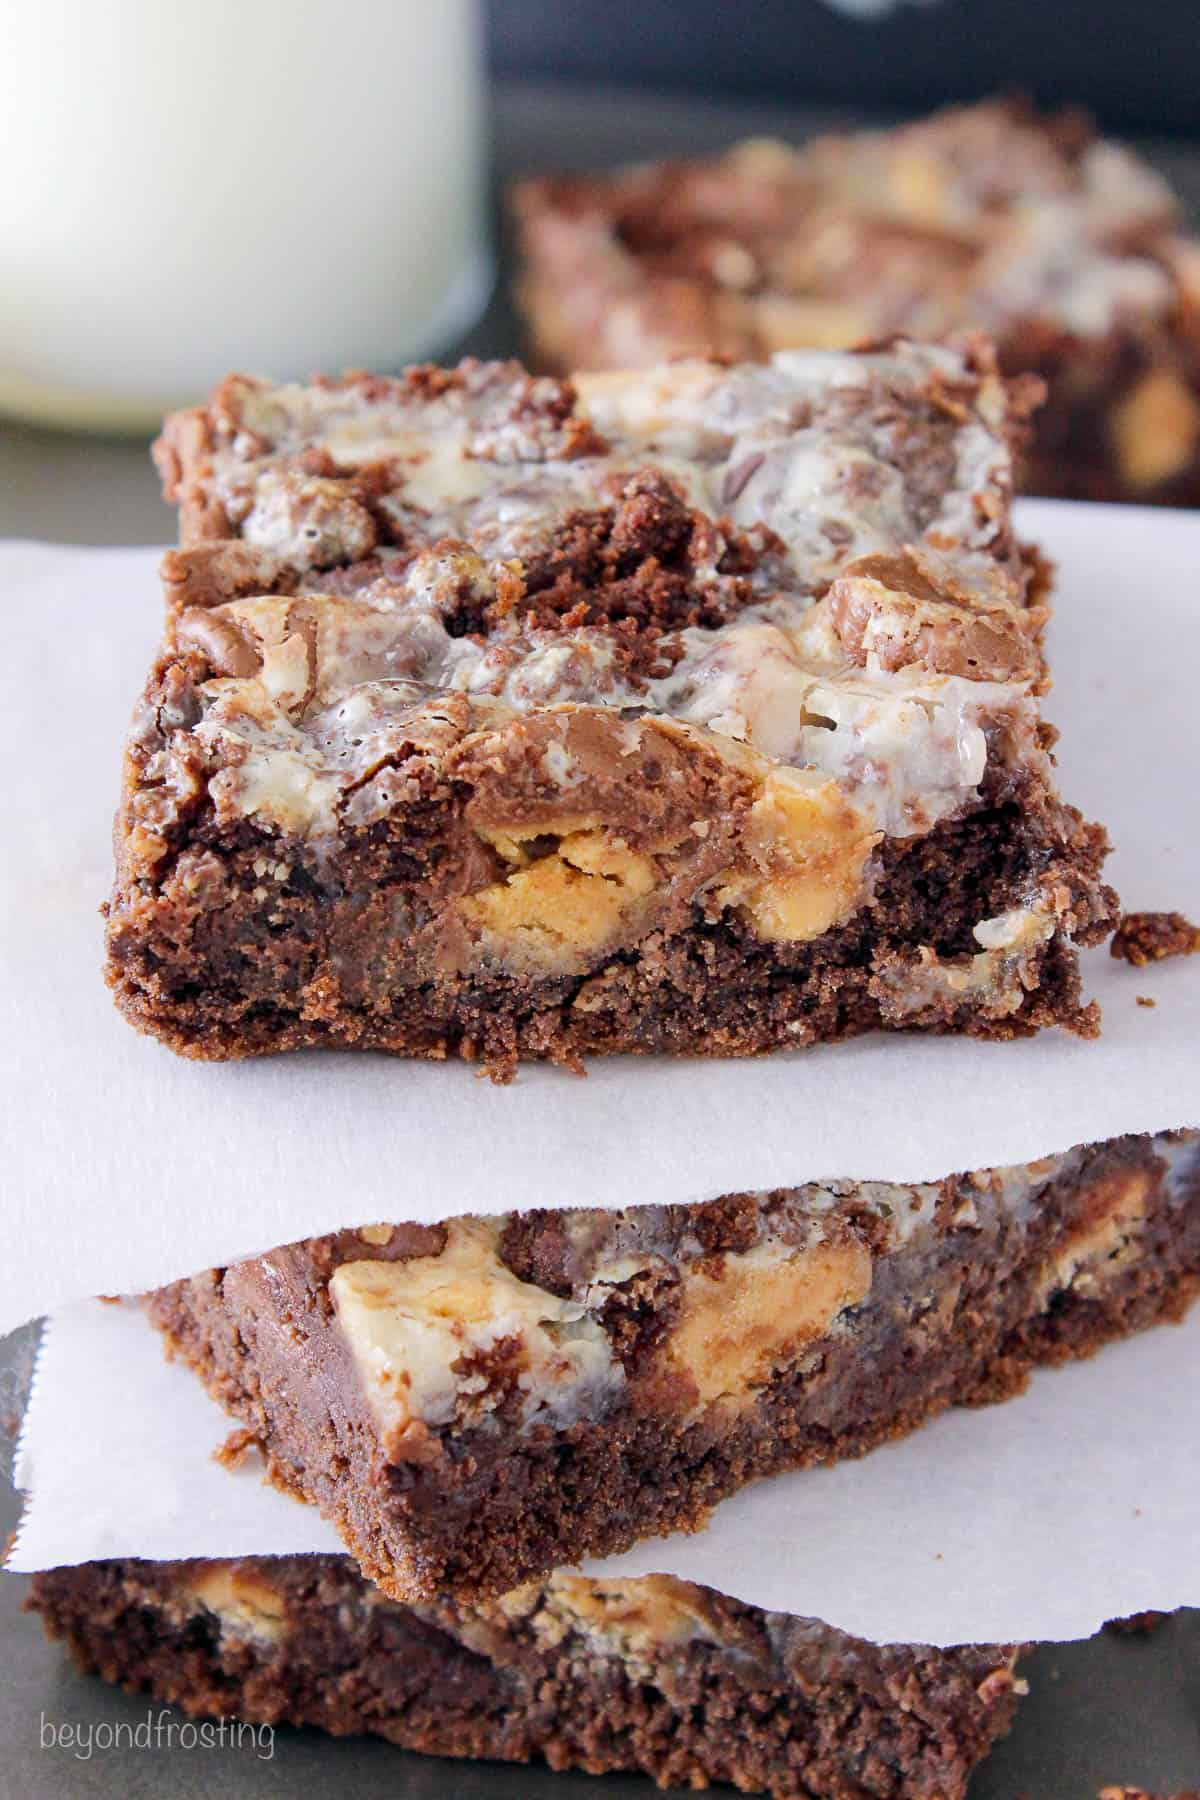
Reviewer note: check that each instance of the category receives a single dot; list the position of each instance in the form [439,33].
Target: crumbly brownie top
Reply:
[982,215]
[546,1317]
[526,1323]
[792,587]
[837,456]
[636,1620]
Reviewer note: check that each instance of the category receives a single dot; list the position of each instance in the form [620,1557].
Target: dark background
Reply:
[1137,66]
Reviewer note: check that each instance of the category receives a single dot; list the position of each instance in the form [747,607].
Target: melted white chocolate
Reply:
[422,1333]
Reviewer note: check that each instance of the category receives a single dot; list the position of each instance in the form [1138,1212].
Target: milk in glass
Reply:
[275,186]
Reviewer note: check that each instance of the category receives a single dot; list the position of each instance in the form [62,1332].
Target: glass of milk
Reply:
[271,186]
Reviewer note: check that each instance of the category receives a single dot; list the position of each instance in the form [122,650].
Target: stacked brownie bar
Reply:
[466,1402]
[652,1676]
[1067,250]
[692,710]
[475,1403]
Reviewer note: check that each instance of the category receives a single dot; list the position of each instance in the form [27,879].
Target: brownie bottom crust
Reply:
[229,984]
[650,1676]
[1089,1248]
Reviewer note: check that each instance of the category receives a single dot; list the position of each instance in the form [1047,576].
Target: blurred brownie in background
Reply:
[1066,248]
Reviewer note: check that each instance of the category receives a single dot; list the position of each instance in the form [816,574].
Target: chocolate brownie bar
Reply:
[484,1401]
[653,1675]
[690,711]
[1066,249]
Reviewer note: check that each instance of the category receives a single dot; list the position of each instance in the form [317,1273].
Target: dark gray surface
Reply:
[1113,1710]
[1116,1709]
[1135,65]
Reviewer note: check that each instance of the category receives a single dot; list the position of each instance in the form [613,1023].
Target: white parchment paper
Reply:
[1037,1519]
[124,1166]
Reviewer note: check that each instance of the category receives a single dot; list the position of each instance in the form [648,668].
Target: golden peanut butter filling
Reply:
[1155,428]
[801,868]
[634,1620]
[248,1607]
[807,850]
[739,1321]
[559,909]
[1105,1240]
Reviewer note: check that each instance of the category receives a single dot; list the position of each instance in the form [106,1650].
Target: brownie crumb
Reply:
[1145,937]
[237,1446]
[645,559]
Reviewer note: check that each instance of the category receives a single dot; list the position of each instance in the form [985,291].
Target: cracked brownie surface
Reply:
[690,710]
